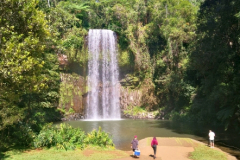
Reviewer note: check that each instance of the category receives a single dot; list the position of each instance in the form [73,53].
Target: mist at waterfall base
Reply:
[103,84]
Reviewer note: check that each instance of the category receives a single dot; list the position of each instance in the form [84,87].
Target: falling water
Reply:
[103,85]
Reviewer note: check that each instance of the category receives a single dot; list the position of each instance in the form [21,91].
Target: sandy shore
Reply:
[168,149]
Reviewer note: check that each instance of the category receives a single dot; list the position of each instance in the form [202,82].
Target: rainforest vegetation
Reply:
[185,52]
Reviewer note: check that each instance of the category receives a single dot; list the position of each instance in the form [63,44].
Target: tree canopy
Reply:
[29,76]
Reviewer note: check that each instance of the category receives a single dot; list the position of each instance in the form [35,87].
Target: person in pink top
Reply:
[154,146]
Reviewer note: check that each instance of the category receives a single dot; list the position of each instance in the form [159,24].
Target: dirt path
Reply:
[168,149]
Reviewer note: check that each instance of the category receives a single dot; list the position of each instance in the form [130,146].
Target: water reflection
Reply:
[122,132]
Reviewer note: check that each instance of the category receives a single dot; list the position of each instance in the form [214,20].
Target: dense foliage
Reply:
[215,63]
[69,138]
[184,54]
[29,77]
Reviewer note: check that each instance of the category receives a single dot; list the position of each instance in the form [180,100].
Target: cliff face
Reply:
[137,102]
[72,93]
[72,88]
[129,97]
[135,94]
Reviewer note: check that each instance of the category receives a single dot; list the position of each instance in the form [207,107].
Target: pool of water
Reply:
[123,131]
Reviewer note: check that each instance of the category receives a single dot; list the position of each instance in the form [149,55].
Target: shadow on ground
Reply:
[3,156]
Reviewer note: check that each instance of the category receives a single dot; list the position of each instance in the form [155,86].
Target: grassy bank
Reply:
[205,153]
[201,152]
[90,153]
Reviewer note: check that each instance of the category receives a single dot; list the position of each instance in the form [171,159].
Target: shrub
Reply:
[69,138]
[63,137]
[99,138]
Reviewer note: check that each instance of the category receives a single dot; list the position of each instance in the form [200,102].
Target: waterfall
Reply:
[103,85]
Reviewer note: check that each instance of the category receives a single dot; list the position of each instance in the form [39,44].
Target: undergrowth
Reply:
[68,138]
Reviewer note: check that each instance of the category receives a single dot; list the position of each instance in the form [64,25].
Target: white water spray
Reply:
[103,84]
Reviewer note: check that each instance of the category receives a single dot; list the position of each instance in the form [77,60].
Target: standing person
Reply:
[134,144]
[154,144]
[211,138]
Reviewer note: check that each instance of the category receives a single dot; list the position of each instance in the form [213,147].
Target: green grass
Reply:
[92,153]
[205,153]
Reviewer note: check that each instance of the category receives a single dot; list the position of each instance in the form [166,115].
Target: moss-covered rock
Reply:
[72,89]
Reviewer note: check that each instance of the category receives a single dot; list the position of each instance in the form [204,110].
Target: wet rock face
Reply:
[130,97]
[147,115]
[137,101]
[63,60]
[72,93]
[72,117]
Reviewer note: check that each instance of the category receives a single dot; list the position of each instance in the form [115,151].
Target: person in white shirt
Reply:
[211,138]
